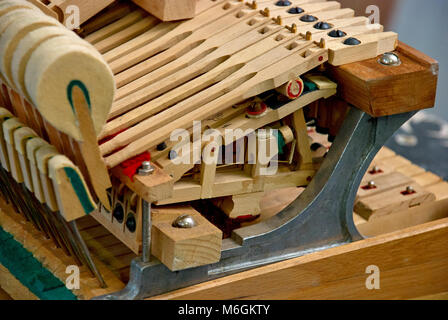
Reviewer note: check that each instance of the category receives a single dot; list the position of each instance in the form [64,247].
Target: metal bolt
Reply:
[184,221]
[371,184]
[375,169]
[389,59]
[146,169]
[410,190]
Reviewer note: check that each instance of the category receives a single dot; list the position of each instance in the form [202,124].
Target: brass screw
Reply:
[266,12]
[278,20]
[292,28]
[309,36]
[252,5]
[322,43]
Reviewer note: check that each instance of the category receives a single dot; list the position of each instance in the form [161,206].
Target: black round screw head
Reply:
[283,3]
[337,34]
[131,224]
[296,10]
[118,213]
[352,42]
[172,155]
[308,18]
[322,25]
[161,146]
[316,146]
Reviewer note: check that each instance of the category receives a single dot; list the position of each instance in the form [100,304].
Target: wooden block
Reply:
[371,46]
[169,10]
[241,205]
[383,183]
[416,216]
[391,201]
[155,187]
[370,175]
[440,190]
[181,249]
[373,87]
[427,179]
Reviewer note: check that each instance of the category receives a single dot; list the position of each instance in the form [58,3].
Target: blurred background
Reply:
[422,25]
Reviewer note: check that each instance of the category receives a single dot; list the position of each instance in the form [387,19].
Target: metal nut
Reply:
[146,169]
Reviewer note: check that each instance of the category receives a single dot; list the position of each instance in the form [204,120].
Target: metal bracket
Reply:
[321,217]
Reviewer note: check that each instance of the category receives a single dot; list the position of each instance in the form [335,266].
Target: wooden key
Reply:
[144,67]
[230,66]
[393,200]
[117,26]
[72,195]
[300,60]
[254,38]
[371,45]
[182,31]
[186,45]
[126,34]
[383,183]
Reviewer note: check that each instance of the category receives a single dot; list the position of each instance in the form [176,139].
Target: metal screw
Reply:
[410,190]
[371,184]
[375,169]
[146,169]
[184,221]
[389,59]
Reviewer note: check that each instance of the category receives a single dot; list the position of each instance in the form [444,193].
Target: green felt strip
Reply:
[79,84]
[29,271]
[80,189]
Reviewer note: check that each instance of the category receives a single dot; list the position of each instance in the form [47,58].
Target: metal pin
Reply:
[86,254]
[146,231]
[371,185]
